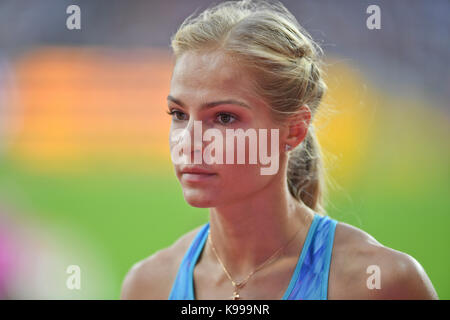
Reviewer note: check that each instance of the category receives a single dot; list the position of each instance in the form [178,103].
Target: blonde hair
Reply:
[284,61]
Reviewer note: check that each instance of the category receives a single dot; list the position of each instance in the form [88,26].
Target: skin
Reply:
[252,215]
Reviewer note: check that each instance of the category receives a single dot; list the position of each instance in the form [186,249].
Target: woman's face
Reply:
[199,79]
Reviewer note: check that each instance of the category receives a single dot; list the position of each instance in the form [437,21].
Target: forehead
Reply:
[210,75]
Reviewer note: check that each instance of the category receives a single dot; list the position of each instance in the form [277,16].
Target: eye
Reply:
[179,116]
[226,118]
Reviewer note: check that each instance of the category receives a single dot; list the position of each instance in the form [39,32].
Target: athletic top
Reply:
[309,280]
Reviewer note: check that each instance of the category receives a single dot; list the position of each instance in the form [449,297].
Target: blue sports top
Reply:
[309,280]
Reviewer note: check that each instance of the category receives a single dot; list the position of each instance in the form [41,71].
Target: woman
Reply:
[250,66]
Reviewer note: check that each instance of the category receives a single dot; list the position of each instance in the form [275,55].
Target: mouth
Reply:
[197,175]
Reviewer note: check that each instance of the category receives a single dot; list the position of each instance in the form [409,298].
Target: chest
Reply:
[210,282]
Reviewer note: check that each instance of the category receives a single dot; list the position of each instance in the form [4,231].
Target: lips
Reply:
[196,174]
[196,170]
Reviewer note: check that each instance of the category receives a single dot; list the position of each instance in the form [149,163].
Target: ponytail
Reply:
[305,175]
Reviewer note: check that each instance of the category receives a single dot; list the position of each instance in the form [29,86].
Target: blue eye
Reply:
[226,118]
[177,114]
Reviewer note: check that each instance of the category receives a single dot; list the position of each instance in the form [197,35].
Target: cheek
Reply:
[240,177]
[171,135]
[176,135]
[259,151]
[241,181]
[248,178]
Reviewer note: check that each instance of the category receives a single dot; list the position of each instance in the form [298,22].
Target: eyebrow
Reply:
[211,104]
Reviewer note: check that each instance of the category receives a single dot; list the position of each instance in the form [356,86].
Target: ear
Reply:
[297,126]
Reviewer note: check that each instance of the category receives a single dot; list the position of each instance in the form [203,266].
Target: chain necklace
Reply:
[240,284]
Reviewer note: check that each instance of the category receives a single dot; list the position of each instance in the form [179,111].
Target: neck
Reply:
[246,233]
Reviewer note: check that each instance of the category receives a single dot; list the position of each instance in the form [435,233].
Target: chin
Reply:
[200,198]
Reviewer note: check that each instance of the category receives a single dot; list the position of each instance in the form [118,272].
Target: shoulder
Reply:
[363,268]
[152,277]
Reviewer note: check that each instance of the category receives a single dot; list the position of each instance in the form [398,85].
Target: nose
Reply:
[190,141]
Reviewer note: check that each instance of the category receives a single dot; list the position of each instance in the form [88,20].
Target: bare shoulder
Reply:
[363,268]
[152,277]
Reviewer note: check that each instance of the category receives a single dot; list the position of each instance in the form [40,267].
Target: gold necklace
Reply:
[240,284]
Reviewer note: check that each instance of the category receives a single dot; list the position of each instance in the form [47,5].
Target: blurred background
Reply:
[85,172]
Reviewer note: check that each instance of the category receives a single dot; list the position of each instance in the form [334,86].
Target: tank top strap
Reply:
[182,288]
[310,279]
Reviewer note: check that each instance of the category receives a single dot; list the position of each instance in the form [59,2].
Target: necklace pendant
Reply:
[235,295]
